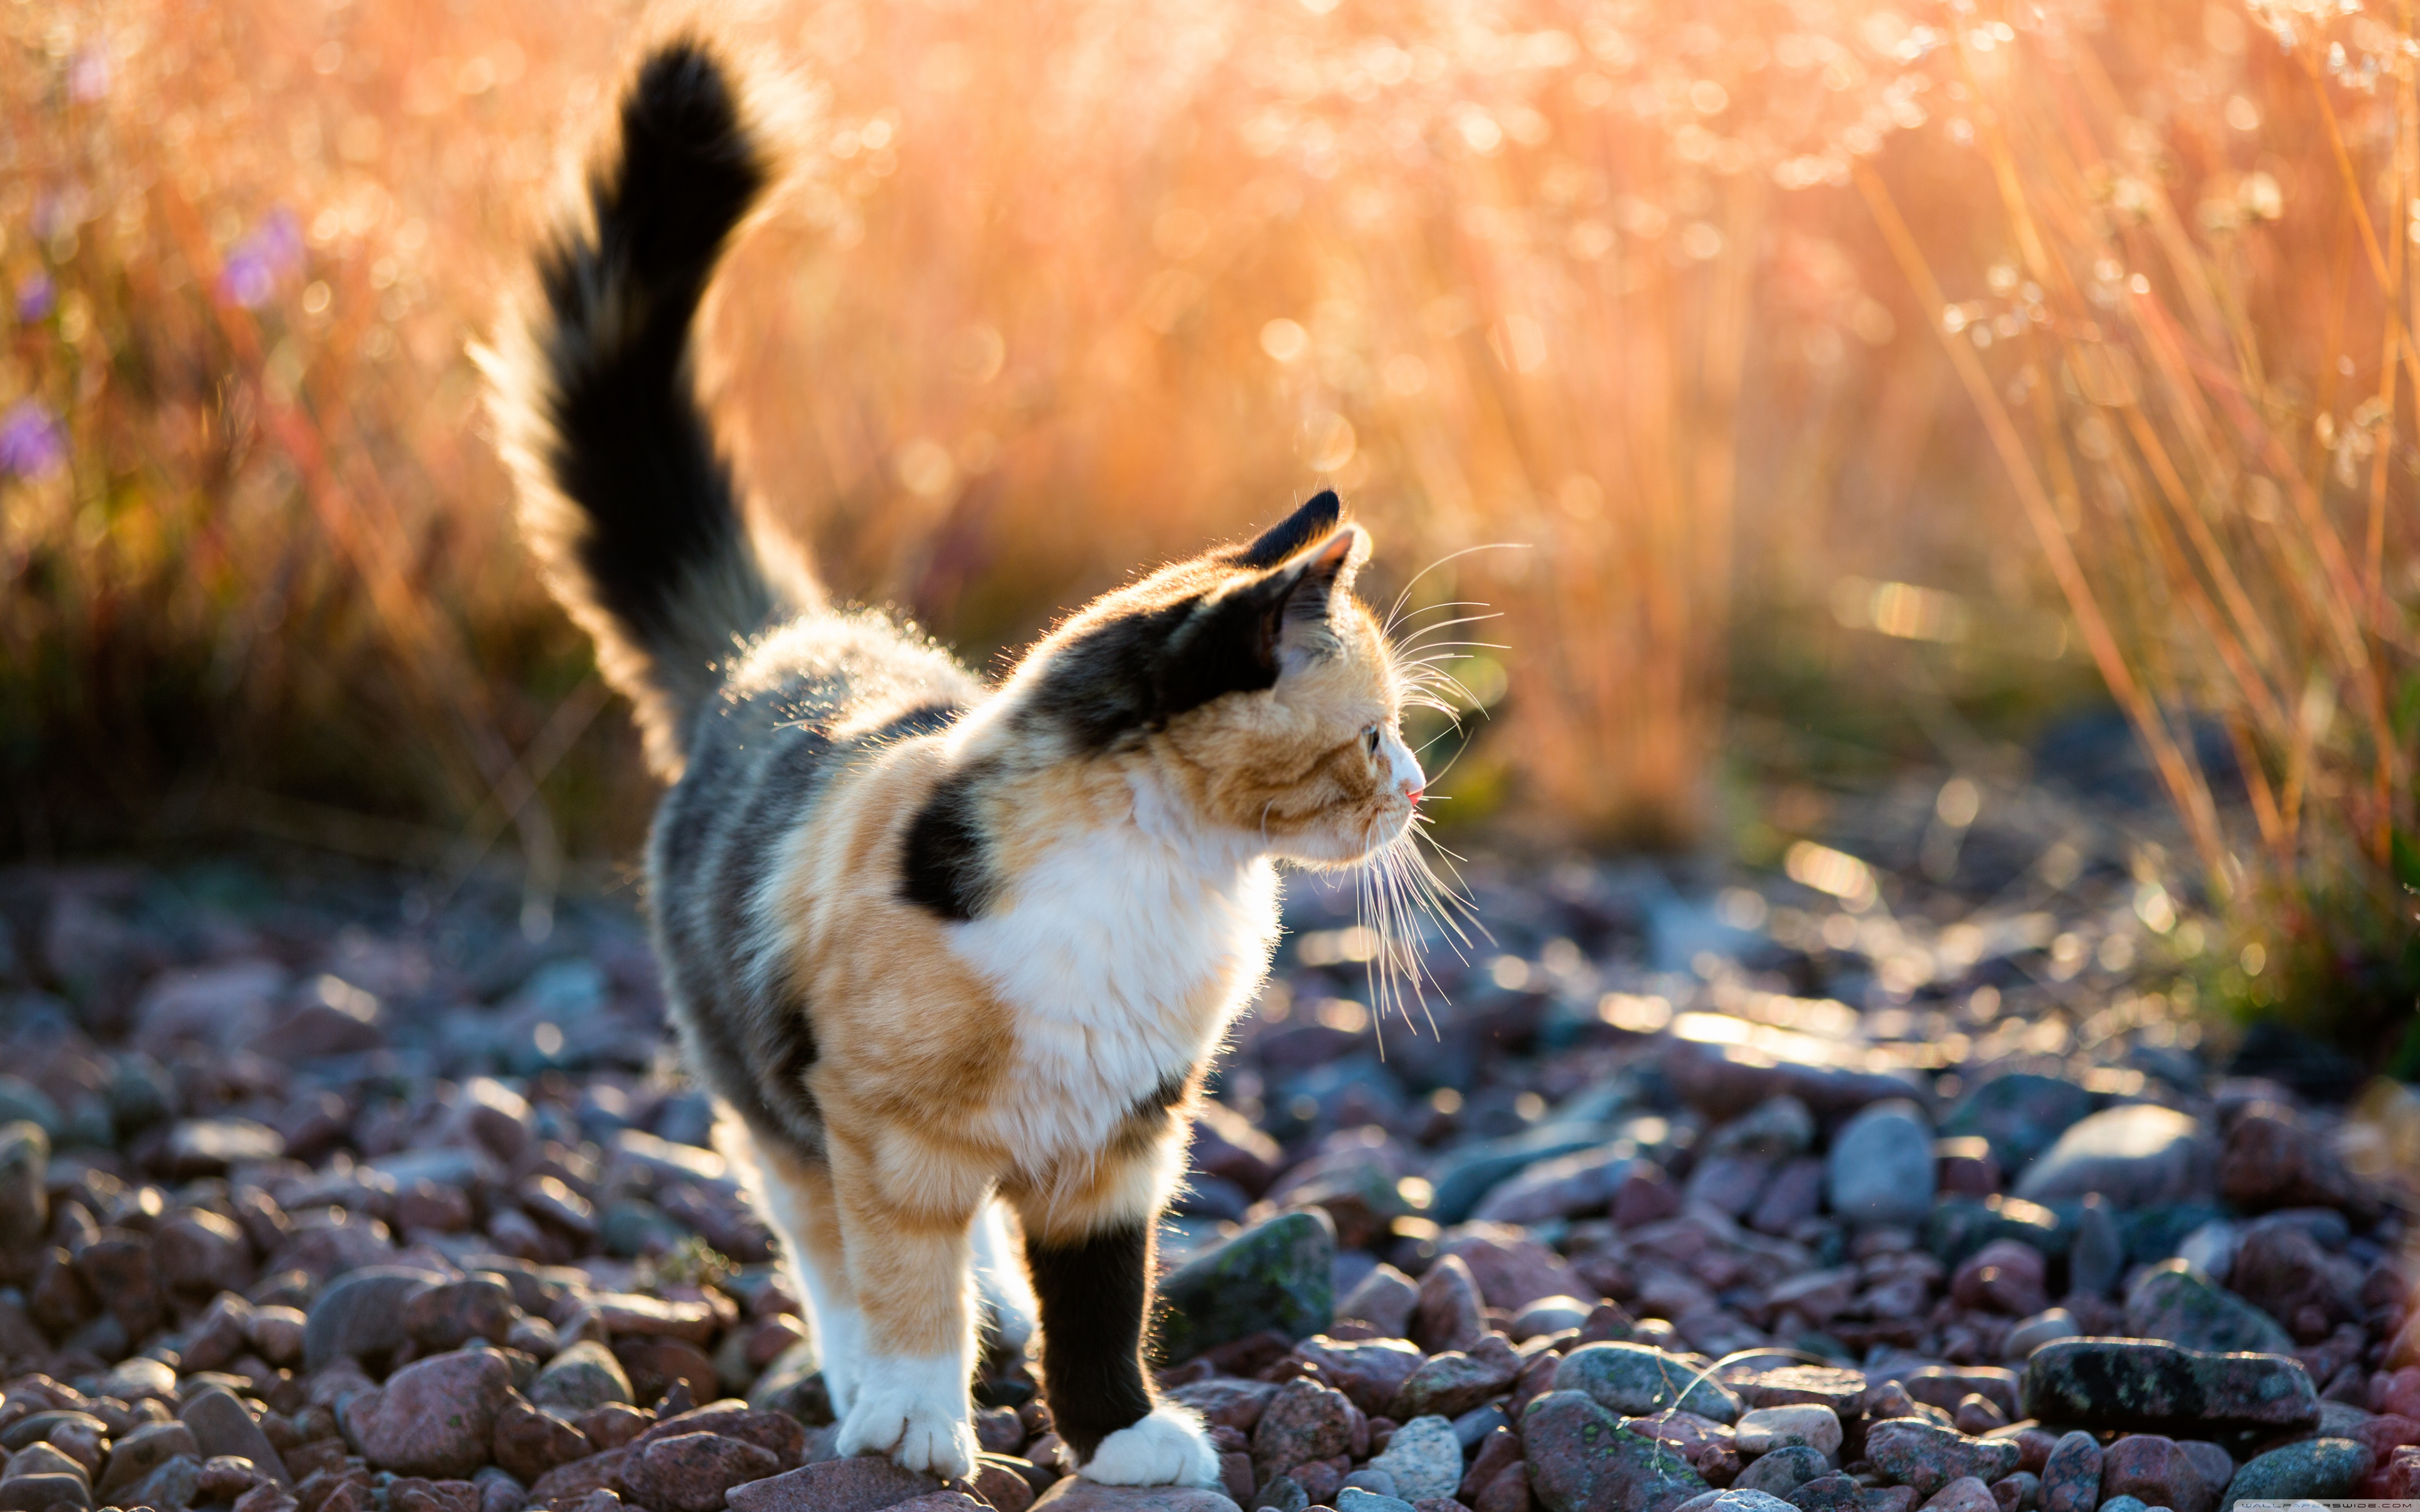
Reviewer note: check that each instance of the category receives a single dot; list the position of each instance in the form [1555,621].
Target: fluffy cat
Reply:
[939,945]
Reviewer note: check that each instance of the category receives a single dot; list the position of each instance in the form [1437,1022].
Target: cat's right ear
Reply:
[1315,517]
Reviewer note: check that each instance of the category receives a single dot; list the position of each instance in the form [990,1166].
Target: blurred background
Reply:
[1861,420]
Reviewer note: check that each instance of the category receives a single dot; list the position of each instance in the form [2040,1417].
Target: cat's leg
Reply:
[1000,1280]
[796,1195]
[905,1222]
[1089,1252]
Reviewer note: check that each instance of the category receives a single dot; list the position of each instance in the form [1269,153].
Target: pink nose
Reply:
[1412,791]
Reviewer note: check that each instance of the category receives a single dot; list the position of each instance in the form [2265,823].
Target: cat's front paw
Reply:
[1171,1447]
[916,1412]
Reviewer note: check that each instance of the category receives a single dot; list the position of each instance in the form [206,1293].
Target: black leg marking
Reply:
[1094,1293]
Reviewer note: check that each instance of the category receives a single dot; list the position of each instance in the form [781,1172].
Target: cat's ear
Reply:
[1310,585]
[1313,518]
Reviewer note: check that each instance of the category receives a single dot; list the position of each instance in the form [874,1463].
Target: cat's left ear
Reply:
[1312,584]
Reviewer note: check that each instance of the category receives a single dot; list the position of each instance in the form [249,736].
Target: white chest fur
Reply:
[1122,957]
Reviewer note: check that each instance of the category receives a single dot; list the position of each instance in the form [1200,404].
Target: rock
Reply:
[1550,1315]
[1466,1176]
[1965,1494]
[1384,1299]
[1357,1499]
[2213,1462]
[1634,1379]
[37,1494]
[221,1425]
[1842,1391]
[2021,1114]
[1738,1499]
[196,1253]
[1511,1269]
[658,1366]
[2134,1156]
[361,1314]
[1304,1421]
[1454,1382]
[24,1178]
[1879,1167]
[864,1484]
[2177,1302]
[1424,1458]
[529,1443]
[1915,1452]
[452,1313]
[1722,1080]
[1447,1316]
[584,1376]
[2153,1468]
[2005,1277]
[1834,1492]
[1583,1181]
[1370,1371]
[1282,1493]
[1707,1446]
[1763,1429]
[1224,1401]
[690,1472]
[2153,1387]
[212,1147]
[1077,1494]
[2270,1161]
[1276,1275]
[2098,1257]
[1580,1459]
[2038,1330]
[2281,1269]
[434,1417]
[2315,1468]
[1778,1472]
[139,1378]
[174,1484]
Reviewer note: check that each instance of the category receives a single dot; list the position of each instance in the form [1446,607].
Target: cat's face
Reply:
[1261,694]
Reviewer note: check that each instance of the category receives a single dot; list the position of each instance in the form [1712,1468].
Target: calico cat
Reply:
[937,946]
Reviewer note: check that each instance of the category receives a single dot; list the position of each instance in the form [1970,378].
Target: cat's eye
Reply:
[1372,737]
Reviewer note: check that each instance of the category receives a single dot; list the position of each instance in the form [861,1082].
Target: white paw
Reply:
[1171,1447]
[914,1410]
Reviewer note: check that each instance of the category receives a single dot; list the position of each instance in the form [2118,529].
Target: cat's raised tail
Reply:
[631,508]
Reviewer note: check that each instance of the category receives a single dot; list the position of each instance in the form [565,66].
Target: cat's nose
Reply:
[1413,788]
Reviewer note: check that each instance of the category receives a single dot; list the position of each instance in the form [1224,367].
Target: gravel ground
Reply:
[1844,1190]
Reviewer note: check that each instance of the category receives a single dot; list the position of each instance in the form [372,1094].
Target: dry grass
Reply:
[1065,288]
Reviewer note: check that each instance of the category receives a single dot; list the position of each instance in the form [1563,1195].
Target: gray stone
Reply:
[1384,1300]
[24,1175]
[1279,1274]
[1880,1171]
[1767,1428]
[1779,1472]
[1357,1498]
[222,1427]
[360,1314]
[1076,1494]
[2021,1114]
[2316,1468]
[2134,1156]
[143,1451]
[2178,1302]
[2161,1388]
[1581,1459]
[584,1376]
[1634,1379]
[1912,1451]
[1425,1459]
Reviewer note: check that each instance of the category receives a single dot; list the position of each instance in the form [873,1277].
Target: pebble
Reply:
[1580,1459]
[221,1425]
[2020,1491]
[433,1417]
[1780,1470]
[360,1314]
[2155,1469]
[24,1197]
[2038,1330]
[2178,1302]
[1921,1455]
[2071,1477]
[692,1471]
[1384,1299]
[2020,1113]
[1424,1458]
[2315,1468]
[1879,1169]
[2132,1383]
[865,1484]
[1371,1371]
[1634,1379]
[1763,1429]
[1361,1499]
[2005,1277]
[2098,1257]
[2134,1156]
[1304,1421]
[1077,1494]
[1276,1275]
[1448,1314]
[1965,1494]
[584,1376]
[452,1313]
[1454,1382]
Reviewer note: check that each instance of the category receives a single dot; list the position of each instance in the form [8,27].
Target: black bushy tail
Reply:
[623,496]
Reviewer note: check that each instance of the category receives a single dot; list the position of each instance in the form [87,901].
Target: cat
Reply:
[934,946]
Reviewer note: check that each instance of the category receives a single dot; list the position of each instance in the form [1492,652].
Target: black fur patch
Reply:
[1314,518]
[632,448]
[945,865]
[1093,1295]
[1170,1092]
[1139,671]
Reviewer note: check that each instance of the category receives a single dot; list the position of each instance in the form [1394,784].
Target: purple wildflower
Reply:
[268,252]
[31,442]
[37,296]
